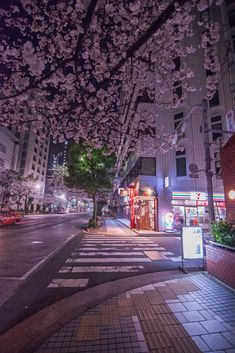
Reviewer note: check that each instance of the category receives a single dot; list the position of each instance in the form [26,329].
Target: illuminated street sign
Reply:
[192,243]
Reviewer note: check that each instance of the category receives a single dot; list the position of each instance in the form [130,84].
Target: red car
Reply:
[7,219]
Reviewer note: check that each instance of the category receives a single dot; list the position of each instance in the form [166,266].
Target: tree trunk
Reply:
[95,206]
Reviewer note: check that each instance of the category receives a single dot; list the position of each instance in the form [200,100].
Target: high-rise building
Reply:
[33,154]
[9,149]
[170,189]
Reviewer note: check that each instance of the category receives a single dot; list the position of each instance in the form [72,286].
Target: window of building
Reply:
[38,170]
[34,158]
[33,166]
[43,172]
[39,161]
[217,164]
[181,169]
[44,164]
[147,166]
[45,156]
[2,148]
[2,163]
[178,118]
[231,18]
[36,141]
[214,100]
[35,150]
[42,178]
[216,124]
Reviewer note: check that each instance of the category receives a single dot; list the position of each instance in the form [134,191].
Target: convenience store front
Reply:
[191,208]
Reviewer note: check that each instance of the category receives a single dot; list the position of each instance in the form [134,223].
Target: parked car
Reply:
[18,214]
[7,219]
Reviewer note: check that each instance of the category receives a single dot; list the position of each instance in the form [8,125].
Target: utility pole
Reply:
[208,171]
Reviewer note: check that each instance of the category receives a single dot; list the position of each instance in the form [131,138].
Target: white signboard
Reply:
[198,196]
[192,243]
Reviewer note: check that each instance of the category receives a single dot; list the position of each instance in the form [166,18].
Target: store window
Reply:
[181,169]
[216,124]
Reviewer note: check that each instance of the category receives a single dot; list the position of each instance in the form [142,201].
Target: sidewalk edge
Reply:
[27,335]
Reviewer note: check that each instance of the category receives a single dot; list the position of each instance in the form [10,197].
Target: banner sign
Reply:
[192,243]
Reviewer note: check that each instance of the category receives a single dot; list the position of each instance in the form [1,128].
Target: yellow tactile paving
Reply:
[161,330]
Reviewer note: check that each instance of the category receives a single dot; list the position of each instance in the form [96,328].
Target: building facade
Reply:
[171,188]
[9,149]
[228,173]
[33,155]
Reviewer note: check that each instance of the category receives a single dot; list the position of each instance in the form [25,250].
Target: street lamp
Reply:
[231,194]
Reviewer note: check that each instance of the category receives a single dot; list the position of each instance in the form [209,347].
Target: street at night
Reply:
[117,176]
[50,258]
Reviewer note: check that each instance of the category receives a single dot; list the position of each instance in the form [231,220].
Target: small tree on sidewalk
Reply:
[90,170]
[25,190]
[7,178]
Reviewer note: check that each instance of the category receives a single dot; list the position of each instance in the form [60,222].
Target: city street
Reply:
[112,252]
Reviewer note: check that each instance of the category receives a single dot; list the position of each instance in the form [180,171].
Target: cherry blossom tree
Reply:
[74,65]
[7,178]
[24,190]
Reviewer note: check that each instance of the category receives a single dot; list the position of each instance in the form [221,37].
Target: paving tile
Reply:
[200,344]
[177,307]
[213,326]
[194,328]
[192,306]
[216,341]
[193,316]
[230,336]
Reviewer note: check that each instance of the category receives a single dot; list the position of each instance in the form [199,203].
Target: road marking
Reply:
[47,258]
[177,258]
[111,259]
[155,255]
[37,242]
[166,252]
[109,253]
[81,269]
[68,283]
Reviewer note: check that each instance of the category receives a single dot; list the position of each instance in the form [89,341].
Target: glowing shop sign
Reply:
[198,196]
[169,221]
[192,243]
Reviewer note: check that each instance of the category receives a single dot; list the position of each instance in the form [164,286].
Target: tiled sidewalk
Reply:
[193,314]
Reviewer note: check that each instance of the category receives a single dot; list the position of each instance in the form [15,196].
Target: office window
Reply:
[33,166]
[2,163]
[35,150]
[38,170]
[178,118]
[217,164]
[43,172]
[181,169]
[2,148]
[231,18]
[34,158]
[216,123]
[39,161]
[146,166]
[214,100]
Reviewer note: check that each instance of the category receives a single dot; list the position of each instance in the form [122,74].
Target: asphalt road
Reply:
[46,258]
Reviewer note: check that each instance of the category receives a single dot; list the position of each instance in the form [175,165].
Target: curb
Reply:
[27,336]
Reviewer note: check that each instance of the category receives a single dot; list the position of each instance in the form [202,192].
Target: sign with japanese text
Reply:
[192,243]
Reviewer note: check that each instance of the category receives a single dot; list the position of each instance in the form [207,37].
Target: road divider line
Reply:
[47,258]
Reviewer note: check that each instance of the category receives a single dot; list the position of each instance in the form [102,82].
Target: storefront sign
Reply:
[169,221]
[198,196]
[192,243]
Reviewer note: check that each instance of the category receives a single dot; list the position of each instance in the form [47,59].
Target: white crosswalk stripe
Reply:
[111,253]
